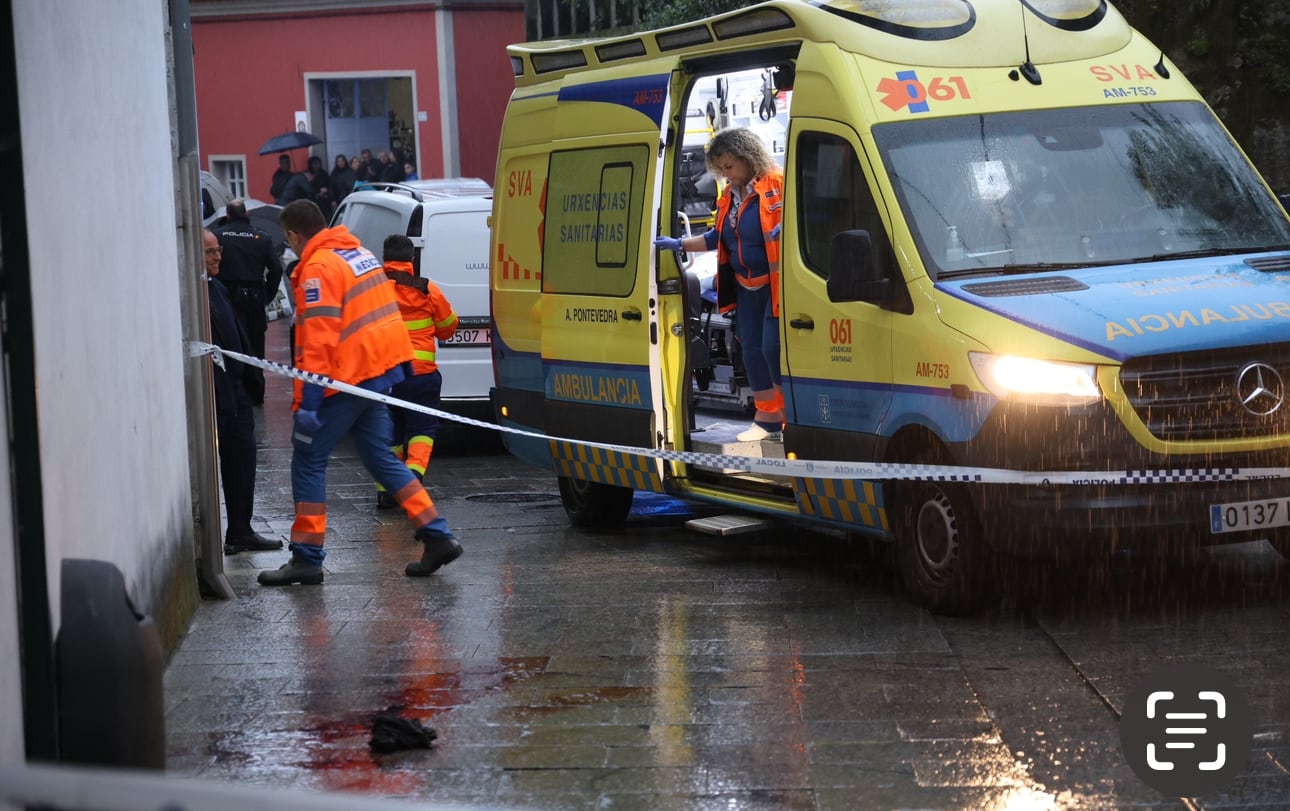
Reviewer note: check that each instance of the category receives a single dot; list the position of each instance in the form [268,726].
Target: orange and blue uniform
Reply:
[348,328]
[747,242]
[429,318]
[749,256]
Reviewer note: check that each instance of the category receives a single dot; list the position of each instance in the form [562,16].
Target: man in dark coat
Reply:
[234,416]
[252,271]
[280,179]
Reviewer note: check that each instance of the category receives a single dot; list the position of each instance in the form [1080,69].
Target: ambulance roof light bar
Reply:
[757,21]
[1068,15]
[682,37]
[911,19]
[558,60]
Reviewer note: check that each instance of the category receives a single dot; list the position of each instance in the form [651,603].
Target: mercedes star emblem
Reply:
[1260,389]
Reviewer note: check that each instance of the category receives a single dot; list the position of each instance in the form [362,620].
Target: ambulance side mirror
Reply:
[853,273]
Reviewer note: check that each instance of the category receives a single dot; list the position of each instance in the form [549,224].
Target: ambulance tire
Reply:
[595,505]
[943,558]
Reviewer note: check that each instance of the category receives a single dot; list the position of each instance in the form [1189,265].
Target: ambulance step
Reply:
[720,438]
[727,524]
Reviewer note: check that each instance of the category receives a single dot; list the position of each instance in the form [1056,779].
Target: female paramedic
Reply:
[746,235]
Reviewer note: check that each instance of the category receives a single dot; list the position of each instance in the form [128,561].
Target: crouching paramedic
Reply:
[429,318]
[348,328]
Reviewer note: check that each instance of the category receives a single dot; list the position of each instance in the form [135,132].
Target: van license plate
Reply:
[470,336]
[1240,516]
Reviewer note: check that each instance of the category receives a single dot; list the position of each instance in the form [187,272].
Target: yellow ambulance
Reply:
[1035,301]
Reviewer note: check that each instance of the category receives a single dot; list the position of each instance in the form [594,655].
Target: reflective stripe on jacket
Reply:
[426,313]
[769,189]
[348,325]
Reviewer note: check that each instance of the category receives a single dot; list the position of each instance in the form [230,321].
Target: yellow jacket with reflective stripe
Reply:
[426,313]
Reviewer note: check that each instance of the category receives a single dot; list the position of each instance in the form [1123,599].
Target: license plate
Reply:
[1240,516]
[471,336]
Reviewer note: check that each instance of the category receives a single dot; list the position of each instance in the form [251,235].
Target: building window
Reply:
[231,170]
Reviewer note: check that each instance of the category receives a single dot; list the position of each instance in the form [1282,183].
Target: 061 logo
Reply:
[907,90]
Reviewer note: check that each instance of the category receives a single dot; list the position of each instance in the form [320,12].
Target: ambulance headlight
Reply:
[1042,382]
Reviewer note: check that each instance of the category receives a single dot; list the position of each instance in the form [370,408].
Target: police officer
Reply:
[249,254]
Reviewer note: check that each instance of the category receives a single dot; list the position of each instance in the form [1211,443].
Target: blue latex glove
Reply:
[667,244]
[308,421]
[774,232]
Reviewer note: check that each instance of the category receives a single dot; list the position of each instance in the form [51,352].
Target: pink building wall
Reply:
[250,77]
[484,84]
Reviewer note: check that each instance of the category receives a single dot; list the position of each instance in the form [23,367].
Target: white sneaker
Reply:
[757,434]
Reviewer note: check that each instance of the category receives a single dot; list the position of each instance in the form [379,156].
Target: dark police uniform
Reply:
[248,253]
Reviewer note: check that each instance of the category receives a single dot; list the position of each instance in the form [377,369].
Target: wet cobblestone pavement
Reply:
[652,668]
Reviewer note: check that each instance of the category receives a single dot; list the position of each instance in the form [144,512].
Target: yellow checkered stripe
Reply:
[850,501]
[605,466]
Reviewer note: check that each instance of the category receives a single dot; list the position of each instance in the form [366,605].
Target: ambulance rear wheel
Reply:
[943,558]
[595,505]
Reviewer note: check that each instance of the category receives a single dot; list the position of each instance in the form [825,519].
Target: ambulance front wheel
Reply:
[595,505]
[943,558]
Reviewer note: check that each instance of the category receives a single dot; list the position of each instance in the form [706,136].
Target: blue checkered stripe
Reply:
[1216,474]
[594,464]
[925,473]
[846,501]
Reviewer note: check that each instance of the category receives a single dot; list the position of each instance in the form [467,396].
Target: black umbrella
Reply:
[288,141]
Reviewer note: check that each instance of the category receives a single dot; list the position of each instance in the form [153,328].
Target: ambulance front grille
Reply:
[1221,394]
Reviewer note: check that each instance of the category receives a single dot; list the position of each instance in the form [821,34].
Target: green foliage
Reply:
[662,13]
[1197,47]
[1267,56]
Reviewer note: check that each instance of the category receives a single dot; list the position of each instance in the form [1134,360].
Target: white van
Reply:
[449,216]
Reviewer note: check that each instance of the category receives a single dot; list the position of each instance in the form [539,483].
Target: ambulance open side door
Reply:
[600,342]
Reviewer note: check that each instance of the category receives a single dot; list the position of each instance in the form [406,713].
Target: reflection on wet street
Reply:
[655,668]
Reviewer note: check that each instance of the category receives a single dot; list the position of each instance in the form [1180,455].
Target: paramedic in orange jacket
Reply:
[429,318]
[750,213]
[347,328]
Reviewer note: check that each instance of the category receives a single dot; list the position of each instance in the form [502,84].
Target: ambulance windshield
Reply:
[1031,191]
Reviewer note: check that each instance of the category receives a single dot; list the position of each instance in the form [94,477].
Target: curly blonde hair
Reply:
[740,142]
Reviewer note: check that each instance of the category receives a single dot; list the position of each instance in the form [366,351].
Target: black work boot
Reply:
[296,570]
[385,501]
[439,550]
[249,543]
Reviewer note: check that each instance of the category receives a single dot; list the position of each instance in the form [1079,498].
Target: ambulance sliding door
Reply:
[838,355]
[599,322]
